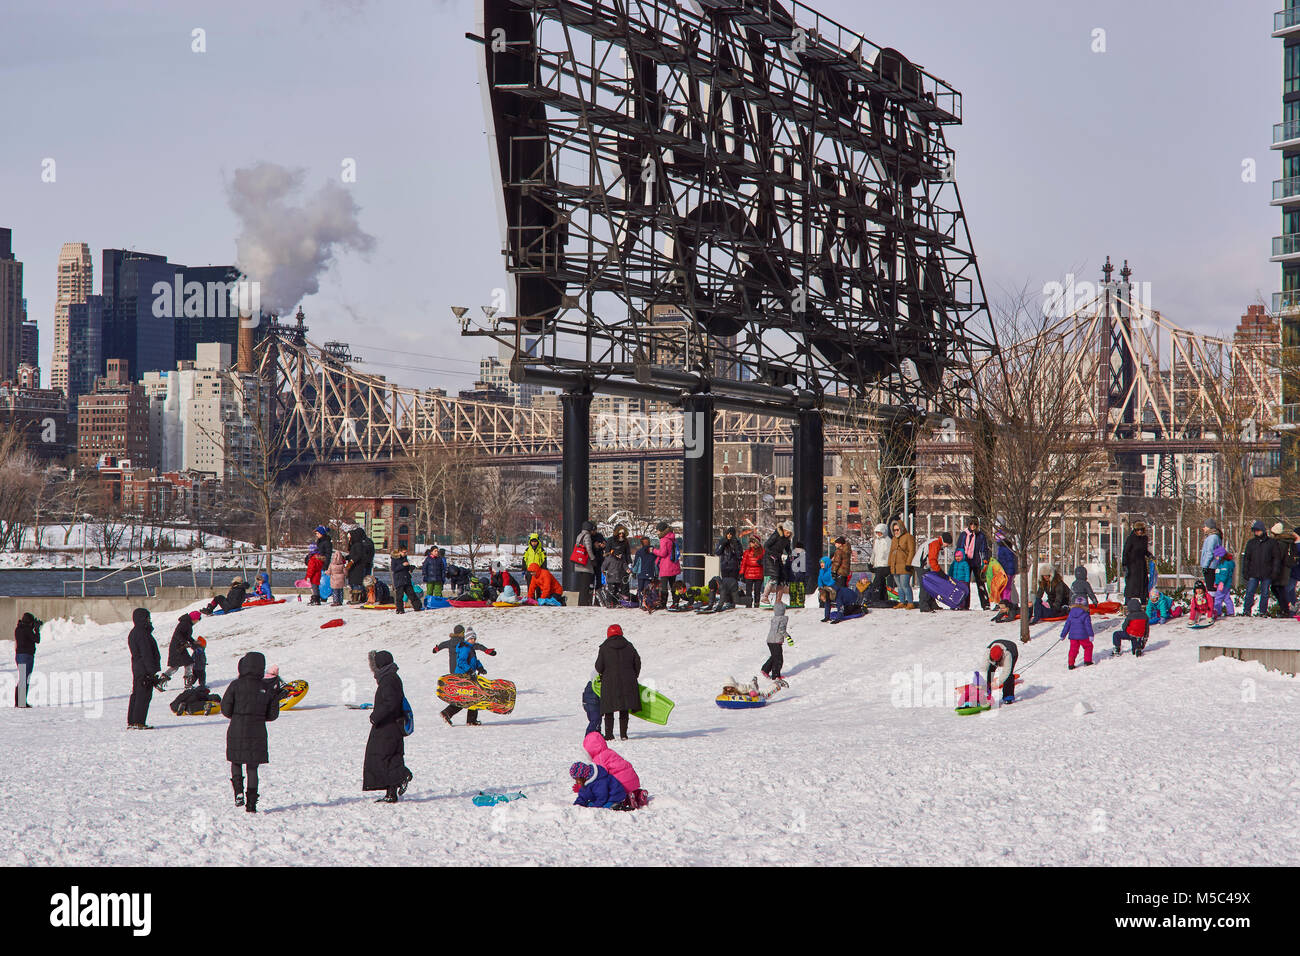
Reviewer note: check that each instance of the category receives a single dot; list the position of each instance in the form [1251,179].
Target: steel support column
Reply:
[809,479]
[697,486]
[575,476]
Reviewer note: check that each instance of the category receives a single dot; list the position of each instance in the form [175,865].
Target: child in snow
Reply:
[200,666]
[315,566]
[609,761]
[403,589]
[777,635]
[644,567]
[960,571]
[596,787]
[825,583]
[338,572]
[508,595]
[999,663]
[1222,582]
[1159,608]
[1202,605]
[1081,586]
[591,706]
[1007,611]
[1135,630]
[798,575]
[1078,628]
[847,604]
[273,682]
[263,590]
[751,571]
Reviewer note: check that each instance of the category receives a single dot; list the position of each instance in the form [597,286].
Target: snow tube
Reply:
[337,622]
[739,701]
[468,603]
[432,601]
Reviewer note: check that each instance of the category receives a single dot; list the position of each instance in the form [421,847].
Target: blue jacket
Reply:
[1007,558]
[467,660]
[1078,626]
[847,597]
[960,571]
[1223,574]
[263,589]
[824,577]
[434,570]
[643,565]
[1212,541]
[602,790]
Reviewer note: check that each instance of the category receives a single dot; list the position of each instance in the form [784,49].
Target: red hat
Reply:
[614,631]
[995,652]
[201,641]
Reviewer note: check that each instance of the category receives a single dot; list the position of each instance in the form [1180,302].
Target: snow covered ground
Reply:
[1154,761]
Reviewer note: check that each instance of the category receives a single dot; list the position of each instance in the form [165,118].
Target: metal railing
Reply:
[141,572]
[1288,245]
[1285,19]
[1284,132]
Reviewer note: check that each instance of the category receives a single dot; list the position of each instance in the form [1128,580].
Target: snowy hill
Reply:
[1154,761]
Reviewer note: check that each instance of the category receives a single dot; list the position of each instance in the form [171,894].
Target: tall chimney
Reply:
[244,363]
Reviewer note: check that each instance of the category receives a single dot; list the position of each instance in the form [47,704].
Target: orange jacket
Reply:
[543,584]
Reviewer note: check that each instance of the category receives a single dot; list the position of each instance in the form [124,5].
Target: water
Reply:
[49,582]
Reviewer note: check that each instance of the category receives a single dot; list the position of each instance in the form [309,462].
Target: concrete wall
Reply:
[166,604]
[1283,660]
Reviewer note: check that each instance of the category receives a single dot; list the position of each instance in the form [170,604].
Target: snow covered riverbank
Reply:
[1154,761]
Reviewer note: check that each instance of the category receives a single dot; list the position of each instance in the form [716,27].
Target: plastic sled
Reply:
[952,594]
[655,707]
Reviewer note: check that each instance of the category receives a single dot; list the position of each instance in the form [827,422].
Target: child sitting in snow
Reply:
[263,590]
[609,761]
[1202,605]
[1135,630]
[1223,606]
[1159,608]
[1078,628]
[1007,611]
[508,595]
[847,604]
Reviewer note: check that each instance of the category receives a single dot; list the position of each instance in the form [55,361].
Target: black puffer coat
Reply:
[730,552]
[178,651]
[1137,552]
[357,569]
[27,634]
[619,666]
[145,659]
[249,703]
[386,749]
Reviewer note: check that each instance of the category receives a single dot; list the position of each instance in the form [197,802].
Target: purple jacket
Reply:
[1078,626]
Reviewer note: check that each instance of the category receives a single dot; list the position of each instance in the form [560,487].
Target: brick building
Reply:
[113,419]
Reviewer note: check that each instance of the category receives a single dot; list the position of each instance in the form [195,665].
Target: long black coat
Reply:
[1137,552]
[729,552]
[357,569]
[26,635]
[776,551]
[178,651]
[619,666]
[145,659]
[386,749]
[249,703]
[324,548]
[1259,559]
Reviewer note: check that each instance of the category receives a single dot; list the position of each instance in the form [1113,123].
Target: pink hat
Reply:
[273,670]
[195,615]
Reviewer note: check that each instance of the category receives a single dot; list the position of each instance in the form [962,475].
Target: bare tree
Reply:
[76,495]
[1031,454]
[20,481]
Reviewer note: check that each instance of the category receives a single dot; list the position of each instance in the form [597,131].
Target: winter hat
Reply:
[1220,552]
[263,576]
[995,653]
[273,670]
[201,641]
[195,615]
[1277,528]
[469,632]
[379,660]
[614,631]
[1257,526]
[787,526]
[882,529]
[534,568]
[321,529]
[457,631]
[1210,525]
[959,555]
[581,771]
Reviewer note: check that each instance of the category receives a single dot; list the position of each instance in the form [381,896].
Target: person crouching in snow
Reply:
[846,604]
[596,787]
[609,761]
[1202,605]
[1135,630]
[508,595]
[1000,662]
[1159,607]
[1222,582]
[777,637]
[1078,628]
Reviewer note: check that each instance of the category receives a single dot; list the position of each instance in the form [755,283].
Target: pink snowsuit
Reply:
[615,765]
[668,568]
[1202,608]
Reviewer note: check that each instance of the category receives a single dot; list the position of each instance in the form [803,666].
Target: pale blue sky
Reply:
[1065,156]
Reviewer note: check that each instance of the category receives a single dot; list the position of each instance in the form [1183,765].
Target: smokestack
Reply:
[245,361]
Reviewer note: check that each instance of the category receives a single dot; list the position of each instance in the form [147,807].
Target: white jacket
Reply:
[880,552]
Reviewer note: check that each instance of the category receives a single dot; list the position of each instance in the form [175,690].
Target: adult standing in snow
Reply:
[1259,567]
[841,562]
[776,560]
[385,766]
[975,545]
[248,703]
[146,662]
[1209,562]
[620,549]
[178,651]
[880,542]
[619,666]
[730,553]
[357,569]
[1136,554]
[1284,553]
[27,634]
[1000,663]
[582,557]
[434,571]
[901,550]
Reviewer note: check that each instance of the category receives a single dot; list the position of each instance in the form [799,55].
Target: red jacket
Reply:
[543,585]
[1138,627]
[751,565]
[314,566]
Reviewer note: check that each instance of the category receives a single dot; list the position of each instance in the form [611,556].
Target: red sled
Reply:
[337,622]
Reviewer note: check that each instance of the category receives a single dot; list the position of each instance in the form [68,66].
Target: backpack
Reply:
[408,718]
[677,550]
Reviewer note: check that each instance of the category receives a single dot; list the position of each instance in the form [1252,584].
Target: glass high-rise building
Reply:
[1286,245]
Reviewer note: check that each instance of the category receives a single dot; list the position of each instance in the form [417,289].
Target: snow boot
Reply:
[250,801]
[406,781]
[237,784]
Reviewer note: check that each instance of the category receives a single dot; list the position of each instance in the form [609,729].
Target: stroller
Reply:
[611,595]
[648,597]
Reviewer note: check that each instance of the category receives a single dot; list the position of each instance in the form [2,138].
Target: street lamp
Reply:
[459,311]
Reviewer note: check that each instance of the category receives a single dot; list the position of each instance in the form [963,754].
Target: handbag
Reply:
[579,555]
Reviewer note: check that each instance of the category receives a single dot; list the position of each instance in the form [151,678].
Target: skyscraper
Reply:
[85,348]
[11,307]
[30,352]
[75,282]
[1286,246]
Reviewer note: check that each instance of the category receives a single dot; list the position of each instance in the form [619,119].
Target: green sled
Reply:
[655,707]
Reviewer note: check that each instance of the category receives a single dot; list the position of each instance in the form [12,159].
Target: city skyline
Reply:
[1066,155]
